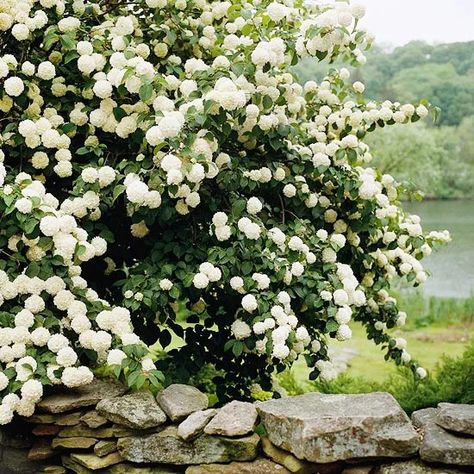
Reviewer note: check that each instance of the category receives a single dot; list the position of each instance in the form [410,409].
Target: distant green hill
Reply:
[436,158]
[442,73]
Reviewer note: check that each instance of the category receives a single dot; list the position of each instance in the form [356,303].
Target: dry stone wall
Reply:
[103,429]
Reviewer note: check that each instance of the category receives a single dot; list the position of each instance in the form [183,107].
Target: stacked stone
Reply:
[103,429]
[448,434]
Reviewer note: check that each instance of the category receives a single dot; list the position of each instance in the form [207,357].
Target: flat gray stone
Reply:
[122,468]
[325,428]
[130,469]
[166,447]
[40,450]
[54,470]
[104,447]
[439,445]
[137,410]
[413,466]
[195,423]
[80,397]
[259,466]
[178,401]
[73,444]
[366,469]
[295,465]
[456,417]
[234,419]
[93,462]
[93,420]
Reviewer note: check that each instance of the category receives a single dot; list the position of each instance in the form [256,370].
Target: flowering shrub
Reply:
[159,158]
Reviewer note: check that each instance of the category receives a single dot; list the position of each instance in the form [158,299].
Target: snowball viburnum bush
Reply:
[159,158]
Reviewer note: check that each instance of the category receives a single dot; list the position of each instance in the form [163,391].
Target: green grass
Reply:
[435,327]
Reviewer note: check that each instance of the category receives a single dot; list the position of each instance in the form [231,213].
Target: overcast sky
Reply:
[400,21]
[436,21]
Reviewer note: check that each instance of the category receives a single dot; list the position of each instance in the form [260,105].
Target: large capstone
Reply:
[234,419]
[168,448]
[137,410]
[456,417]
[178,401]
[440,445]
[325,428]
[85,396]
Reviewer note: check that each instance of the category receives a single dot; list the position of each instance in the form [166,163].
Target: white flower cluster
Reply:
[207,274]
[222,231]
[139,193]
[194,136]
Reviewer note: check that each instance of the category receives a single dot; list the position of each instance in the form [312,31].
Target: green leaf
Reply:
[118,190]
[140,381]
[267,102]
[132,378]
[82,151]
[238,207]
[332,326]
[70,56]
[68,127]
[49,39]
[145,92]
[228,345]
[237,348]
[119,113]
[30,226]
[174,292]
[68,42]
[247,267]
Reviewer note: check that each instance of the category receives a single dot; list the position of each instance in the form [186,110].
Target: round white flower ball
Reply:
[115,357]
[240,329]
[289,191]
[165,284]
[4,381]
[200,281]
[24,318]
[254,205]
[46,70]
[148,364]
[14,86]
[341,298]
[343,333]
[57,342]
[358,87]
[66,357]
[249,303]
[421,372]
[40,336]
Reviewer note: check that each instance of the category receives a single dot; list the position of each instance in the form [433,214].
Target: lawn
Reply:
[427,345]
[435,327]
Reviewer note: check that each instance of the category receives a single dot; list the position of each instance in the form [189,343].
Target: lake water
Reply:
[452,265]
